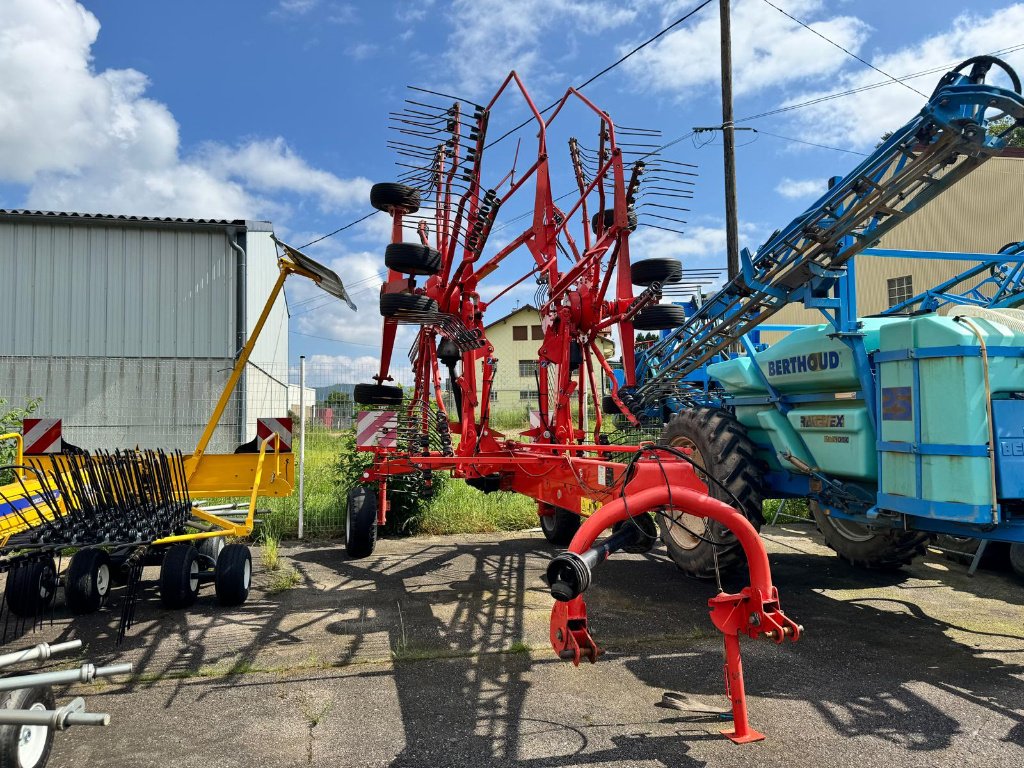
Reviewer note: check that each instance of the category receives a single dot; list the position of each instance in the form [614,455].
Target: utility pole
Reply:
[732,236]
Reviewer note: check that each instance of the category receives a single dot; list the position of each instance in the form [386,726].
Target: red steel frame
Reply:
[561,467]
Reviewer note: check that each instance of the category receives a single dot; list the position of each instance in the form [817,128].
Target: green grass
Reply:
[457,508]
[794,508]
[283,579]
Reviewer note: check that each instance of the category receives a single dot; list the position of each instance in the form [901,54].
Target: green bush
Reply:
[10,421]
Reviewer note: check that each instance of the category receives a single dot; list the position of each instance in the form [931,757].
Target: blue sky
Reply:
[278,110]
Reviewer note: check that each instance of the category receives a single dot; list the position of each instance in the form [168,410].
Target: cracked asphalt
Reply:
[433,652]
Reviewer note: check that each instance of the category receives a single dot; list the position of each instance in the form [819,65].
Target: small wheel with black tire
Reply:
[361,522]
[88,580]
[485,483]
[406,305]
[377,394]
[234,574]
[604,219]
[659,317]
[179,576]
[558,525]
[390,197]
[31,587]
[717,444]
[867,546]
[210,548]
[26,746]
[609,407]
[650,271]
[412,259]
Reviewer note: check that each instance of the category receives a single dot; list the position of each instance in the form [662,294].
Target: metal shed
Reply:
[127,327]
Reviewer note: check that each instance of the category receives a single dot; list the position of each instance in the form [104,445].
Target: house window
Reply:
[528,368]
[528,394]
[519,333]
[536,332]
[900,289]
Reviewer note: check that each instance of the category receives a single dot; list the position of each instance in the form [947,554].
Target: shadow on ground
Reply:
[445,641]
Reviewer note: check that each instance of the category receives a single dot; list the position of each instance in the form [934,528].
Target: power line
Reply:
[328,338]
[841,48]
[808,143]
[605,71]
[339,229]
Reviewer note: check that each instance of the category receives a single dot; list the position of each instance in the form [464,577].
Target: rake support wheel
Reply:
[558,525]
[88,580]
[179,576]
[377,394]
[26,746]
[31,587]
[234,574]
[389,197]
[406,305]
[659,317]
[361,523]
[412,259]
[650,271]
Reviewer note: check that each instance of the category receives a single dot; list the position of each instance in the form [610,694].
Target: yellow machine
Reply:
[123,510]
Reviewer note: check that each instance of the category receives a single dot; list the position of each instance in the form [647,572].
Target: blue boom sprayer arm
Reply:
[946,141]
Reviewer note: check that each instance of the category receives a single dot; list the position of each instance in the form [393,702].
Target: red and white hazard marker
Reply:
[41,436]
[377,429]
[281,427]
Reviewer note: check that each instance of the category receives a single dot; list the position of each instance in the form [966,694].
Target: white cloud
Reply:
[361,51]
[84,140]
[866,115]
[794,188]
[492,37]
[768,49]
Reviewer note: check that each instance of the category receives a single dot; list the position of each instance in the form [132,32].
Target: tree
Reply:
[999,127]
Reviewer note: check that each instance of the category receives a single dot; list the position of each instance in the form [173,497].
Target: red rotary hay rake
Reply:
[585,288]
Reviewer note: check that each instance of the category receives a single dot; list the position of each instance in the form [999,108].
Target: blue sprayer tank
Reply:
[929,455]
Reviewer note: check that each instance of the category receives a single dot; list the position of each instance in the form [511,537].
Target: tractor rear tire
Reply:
[1017,558]
[412,259]
[881,548]
[234,574]
[559,525]
[377,394]
[361,523]
[659,317]
[179,576]
[719,445]
[651,271]
[406,305]
[88,580]
[31,587]
[387,197]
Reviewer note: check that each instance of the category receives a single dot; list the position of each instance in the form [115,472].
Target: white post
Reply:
[302,439]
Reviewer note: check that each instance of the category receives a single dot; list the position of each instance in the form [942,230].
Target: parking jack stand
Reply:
[741,732]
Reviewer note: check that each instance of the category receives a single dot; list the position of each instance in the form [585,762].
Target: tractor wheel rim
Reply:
[103,579]
[193,576]
[850,530]
[32,741]
[247,574]
[684,525]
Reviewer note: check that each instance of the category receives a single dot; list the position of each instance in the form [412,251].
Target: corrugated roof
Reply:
[110,218]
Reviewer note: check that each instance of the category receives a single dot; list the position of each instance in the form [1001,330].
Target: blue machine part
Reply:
[1008,418]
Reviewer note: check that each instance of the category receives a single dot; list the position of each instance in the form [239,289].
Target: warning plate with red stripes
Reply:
[282,427]
[377,429]
[42,436]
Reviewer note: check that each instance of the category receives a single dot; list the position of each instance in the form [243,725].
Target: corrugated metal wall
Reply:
[128,331]
[981,213]
[109,291]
